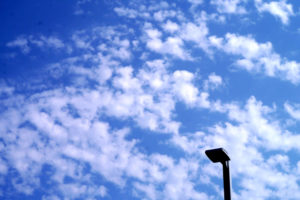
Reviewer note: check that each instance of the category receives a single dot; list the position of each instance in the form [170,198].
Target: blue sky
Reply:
[120,99]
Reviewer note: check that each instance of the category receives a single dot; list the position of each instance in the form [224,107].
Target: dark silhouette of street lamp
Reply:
[220,155]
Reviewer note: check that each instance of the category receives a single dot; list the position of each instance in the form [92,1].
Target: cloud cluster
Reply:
[80,136]
[257,57]
[59,131]
[25,43]
[63,131]
[247,136]
[230,6]
[280,9]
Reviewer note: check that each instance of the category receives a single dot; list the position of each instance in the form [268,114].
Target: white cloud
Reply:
[293,110]
[213,82]
[102,191]
[20,42]
[125,81]
[44,41]
[3,166]
[5,89]
[183,86]
[280,9]
[246,46]
[65,127]
[250,130]
[130,13]
[79,8]
[170,26]
[148,190]
[161,15]
[215,41]
[107,152]
[50,197]
[81,41]
[172,45]
[25,43]
[258,57]
[196,33]
[196,1]
[179,186]
[157,11]
[180,31]
[230,6]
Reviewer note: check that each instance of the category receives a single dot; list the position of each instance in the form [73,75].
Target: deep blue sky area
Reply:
[120,99]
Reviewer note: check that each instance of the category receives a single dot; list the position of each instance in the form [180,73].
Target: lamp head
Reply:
[217,155]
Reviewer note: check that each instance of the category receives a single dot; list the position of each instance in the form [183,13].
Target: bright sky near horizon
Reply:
[119,99]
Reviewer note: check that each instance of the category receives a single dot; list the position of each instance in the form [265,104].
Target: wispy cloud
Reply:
[280,9]
[25,43]
[230,6]
[258,57]
[128,106]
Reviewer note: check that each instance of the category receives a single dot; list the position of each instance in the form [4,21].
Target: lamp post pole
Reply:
[220,155]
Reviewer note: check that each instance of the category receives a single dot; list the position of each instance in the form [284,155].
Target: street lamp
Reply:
[220,155]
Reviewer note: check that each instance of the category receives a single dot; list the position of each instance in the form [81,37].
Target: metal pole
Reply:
[226,180]
[220,155]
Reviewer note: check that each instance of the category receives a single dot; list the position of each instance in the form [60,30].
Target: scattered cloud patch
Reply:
[130,103]
[293,110]
[170,26]
[254,130]
[172,45]
[130,13]
[258,57]
[5,89]
[230,6]
[213,82]
[280,9]
[20,42]
[25,43]
[197,2]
